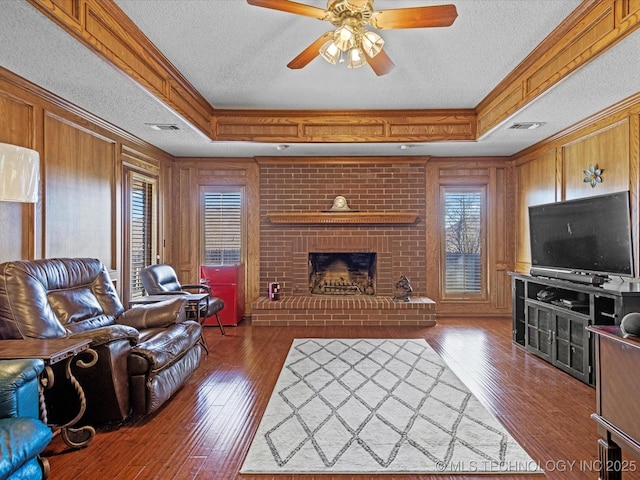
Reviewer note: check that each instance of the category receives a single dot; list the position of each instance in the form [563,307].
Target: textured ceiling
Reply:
[235,55]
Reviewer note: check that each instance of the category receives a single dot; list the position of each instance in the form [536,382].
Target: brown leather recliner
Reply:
[161,279]
[144,354]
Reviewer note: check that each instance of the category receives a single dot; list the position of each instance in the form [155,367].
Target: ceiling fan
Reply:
[351,41]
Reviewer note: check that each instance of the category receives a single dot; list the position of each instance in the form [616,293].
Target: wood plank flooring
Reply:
[205,430]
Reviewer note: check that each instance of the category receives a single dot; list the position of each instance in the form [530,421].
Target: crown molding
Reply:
[101,26]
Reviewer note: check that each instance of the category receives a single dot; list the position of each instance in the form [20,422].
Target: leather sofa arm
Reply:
[19,387]
[108,334]
[155,315]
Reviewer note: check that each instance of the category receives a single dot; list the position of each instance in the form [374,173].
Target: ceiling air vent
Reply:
[163,126]
[525,125]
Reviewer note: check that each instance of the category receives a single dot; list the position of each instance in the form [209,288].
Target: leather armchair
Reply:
[23,436]
[144,354]
[161,279]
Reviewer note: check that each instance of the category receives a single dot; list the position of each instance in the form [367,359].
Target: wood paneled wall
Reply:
[553,171]
[264,185]
[17,126]
[191,177]
[494,175]
[537,184]
[79,184]
[79,211]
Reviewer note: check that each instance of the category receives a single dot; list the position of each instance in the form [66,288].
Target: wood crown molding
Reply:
[102,26]
[13,84]
[344,126]
[591,29]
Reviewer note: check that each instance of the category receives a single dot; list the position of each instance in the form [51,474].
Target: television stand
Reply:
[586,278]
[553,327]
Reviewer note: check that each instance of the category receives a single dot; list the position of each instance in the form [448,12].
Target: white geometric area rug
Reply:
[377,406]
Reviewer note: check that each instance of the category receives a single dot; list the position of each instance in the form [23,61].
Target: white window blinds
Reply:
[141,243]
[222,227]
[463,241]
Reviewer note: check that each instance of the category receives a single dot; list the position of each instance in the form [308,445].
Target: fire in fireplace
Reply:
[342,273]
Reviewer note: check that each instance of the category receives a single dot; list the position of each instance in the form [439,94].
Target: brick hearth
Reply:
[331,310]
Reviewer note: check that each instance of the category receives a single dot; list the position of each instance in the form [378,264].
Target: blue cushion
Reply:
[32,470]
[21,440]
[19,388]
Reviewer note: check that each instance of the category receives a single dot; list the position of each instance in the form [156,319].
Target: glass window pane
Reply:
[141,232]
[463,241]
[222,227]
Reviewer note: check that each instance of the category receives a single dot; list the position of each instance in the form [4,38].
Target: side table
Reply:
[53,351]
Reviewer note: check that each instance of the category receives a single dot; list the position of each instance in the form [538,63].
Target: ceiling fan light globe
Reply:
[330,52]
[356,58]
[345,38]
[372,43]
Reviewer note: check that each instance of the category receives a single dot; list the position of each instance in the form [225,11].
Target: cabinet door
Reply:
[571,349]
[229,314]
[539,331]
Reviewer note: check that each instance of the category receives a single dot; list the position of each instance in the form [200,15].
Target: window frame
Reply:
[213,189]
[457,296]
[131,176]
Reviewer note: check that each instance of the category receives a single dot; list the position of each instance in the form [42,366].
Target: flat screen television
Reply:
[588,235]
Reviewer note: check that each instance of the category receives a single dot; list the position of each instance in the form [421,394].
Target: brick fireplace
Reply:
[297,190]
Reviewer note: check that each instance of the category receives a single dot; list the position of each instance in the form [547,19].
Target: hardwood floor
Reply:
[205,430]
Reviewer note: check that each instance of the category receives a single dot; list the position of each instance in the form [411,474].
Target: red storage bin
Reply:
[226,282]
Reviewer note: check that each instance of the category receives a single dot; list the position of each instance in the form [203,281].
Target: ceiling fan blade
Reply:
[381,63]
[291,7]
[309,53]
[416,17]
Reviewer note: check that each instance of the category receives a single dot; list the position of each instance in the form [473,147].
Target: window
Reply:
[222,227]
[463,241]
[142,230]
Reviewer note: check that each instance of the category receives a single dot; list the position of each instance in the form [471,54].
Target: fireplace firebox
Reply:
[342,273]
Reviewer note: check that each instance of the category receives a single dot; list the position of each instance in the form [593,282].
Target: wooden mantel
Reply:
[341,218]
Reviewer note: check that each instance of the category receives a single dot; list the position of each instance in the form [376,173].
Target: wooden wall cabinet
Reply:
[555,330]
